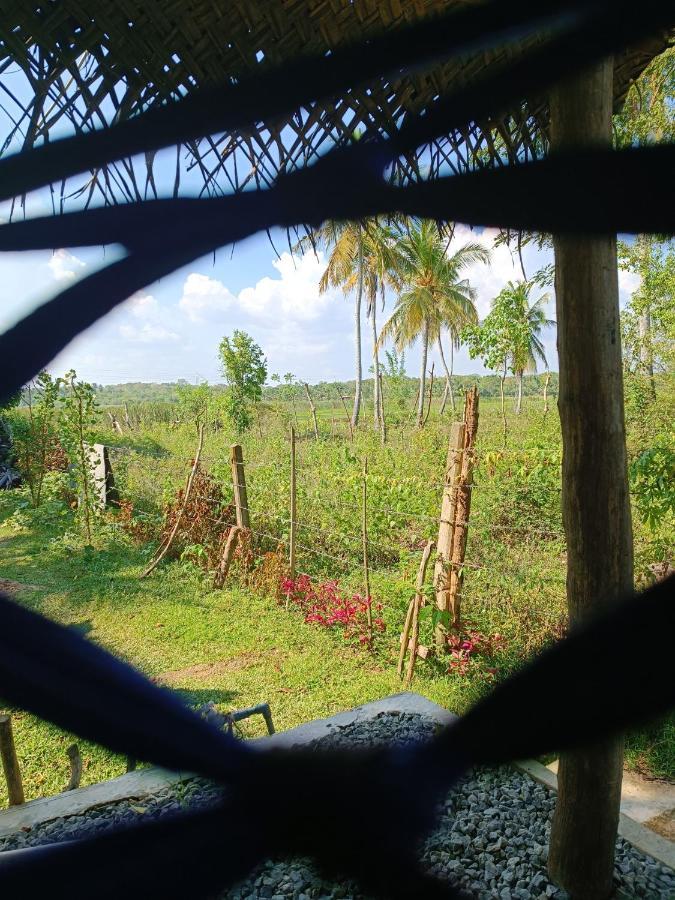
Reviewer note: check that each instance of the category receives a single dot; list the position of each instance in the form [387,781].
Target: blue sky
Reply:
[172,329]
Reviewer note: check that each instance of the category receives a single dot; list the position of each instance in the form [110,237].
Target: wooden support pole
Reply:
[239,486]
[415,618]
[226,558]
[383,422]
[10,762]
[313,410]
[462,508]
[364,537]
[294,512]
[445,528]
[595,499]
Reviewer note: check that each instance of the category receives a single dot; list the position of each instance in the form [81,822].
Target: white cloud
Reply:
[64,265]
[203,297]
[294,295]
[143,306]
[505,265]
[148,333]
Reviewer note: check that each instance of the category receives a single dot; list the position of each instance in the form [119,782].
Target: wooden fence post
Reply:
[10,763]
[239,487]
[364,536]
[445,528]
[313,409]
[226,558]
[462,506]
[294,511]
[411,630]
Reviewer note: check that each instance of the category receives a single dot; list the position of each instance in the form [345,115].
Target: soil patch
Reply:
[663,824]
[203,671]
[13,588]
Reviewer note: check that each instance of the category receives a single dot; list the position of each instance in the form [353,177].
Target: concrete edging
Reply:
[134,785]
[642,838]
[148,781]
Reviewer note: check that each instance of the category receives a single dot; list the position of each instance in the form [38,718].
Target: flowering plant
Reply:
[325,605]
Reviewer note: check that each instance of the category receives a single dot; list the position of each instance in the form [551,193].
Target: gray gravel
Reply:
[492,839]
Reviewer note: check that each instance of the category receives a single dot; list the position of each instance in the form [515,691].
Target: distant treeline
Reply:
[166,392]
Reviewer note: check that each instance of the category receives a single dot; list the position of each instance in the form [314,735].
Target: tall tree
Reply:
[344,242]
[531,319]
[432,294]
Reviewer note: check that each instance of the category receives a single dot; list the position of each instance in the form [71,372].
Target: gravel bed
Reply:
[491,841]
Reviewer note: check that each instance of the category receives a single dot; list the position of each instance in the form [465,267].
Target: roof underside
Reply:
[84,71]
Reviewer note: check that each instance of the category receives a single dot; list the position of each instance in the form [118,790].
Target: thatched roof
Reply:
[89,64]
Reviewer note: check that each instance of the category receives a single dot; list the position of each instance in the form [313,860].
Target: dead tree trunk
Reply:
[596,509]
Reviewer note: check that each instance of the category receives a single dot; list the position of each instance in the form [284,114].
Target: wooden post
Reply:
[445,528]
[462,509]
[383,423]
[10,763]
[75,761]
[294,512]
[226,558]
[239,487]
[313,409]
[414,622]
[595,499]
[364,536]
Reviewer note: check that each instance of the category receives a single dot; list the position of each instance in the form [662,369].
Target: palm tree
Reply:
[344,241]
[432,295]
[532,319]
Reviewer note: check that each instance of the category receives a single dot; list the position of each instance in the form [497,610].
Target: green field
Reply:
[240,646]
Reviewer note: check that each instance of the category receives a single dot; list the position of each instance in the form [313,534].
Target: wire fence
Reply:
[327,531]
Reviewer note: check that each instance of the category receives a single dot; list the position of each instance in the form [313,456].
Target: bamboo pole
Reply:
[294,513]
[445,529]
[10,762]
[364,536]
[415,618]
[462,509]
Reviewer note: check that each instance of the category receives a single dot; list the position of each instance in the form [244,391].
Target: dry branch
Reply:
[164,548]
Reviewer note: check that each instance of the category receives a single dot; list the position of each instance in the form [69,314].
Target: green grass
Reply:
[238,648]
[172,622]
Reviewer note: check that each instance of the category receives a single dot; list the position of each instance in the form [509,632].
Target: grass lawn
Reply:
[228,646]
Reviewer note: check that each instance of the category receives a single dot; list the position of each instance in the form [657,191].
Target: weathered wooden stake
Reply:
[313,409]
[364,536]
[595,499]
[226,558]
[413,619]
[10,762]
[462,507]
[75,767]
[383,422]
[239,486]
[445,528]
[294,512]
[547,380]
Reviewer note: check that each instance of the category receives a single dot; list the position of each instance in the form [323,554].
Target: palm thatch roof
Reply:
[85,66]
